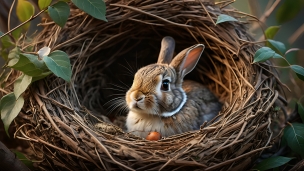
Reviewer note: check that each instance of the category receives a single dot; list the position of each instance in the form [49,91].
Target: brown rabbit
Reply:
[159,100]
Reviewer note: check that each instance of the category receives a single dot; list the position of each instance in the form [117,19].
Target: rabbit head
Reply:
[157,88]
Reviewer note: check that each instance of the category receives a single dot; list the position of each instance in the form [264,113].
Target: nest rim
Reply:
[131,146]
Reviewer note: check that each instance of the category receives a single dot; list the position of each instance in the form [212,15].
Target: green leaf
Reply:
[224,18]
[17,33]
[277,108]
[299,70]
[24,10]
[95,8]
[278,46]
[10,108]
[21,84]
[44,3]
[301,111]
[41,76]
[23,159]
[277,56]
[59,63]
[263,54]
[59,12]
[4,54]
[29,64]
[271,31]
[272,162]
[6,42]
[294,134]
[13,55]
[289,10]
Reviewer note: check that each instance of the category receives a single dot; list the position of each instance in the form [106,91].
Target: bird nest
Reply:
[67,124]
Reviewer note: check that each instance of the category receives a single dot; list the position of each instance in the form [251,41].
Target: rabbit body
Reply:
[159,100]
[201,106]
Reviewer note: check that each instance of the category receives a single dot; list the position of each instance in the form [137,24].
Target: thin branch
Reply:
[296,34]
[254,7]
[267,14]
[20,25]
[9,16]
[269,11]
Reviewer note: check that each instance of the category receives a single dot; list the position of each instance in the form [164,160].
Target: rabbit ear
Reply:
[166,51]
[187,59]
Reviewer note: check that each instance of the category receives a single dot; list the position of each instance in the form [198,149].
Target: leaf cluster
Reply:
[33,68]
[37,66]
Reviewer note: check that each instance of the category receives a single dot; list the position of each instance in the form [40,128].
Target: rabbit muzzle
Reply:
[137,100]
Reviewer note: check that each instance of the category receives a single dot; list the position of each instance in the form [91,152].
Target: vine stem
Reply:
[28,20]
[9,15]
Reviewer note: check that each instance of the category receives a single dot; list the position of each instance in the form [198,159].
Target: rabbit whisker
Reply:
[131,68]
[119,86]
[117,94]
[124,83]
[115,89]
[116,105]
[130,73]
[117,98]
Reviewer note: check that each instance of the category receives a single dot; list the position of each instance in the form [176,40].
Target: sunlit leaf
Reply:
[44,3]
[59,12]
[263,54]
[272,162]
[299,70]
[21,84]
[294,136]
[13,55]
[45,51]
[224,18]
[24,10]
[59,63]
[277,46]
[289,10]
[271,31]
[10,108]
[301,111]
[95,8]
[29,64]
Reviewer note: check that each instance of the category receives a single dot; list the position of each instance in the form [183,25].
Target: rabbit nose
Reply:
[138,97]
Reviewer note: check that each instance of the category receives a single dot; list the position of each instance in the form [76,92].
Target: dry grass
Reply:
[66,126]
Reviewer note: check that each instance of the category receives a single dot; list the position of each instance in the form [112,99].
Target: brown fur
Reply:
[183,107]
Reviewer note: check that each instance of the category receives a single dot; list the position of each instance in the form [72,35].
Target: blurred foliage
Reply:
[289,10]
[284,28]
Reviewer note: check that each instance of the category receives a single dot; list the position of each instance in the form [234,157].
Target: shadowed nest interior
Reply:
[67,125]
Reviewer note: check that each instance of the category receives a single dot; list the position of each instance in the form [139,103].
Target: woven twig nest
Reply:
[66,123]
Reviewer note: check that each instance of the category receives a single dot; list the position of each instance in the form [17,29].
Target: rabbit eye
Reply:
[165,85]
